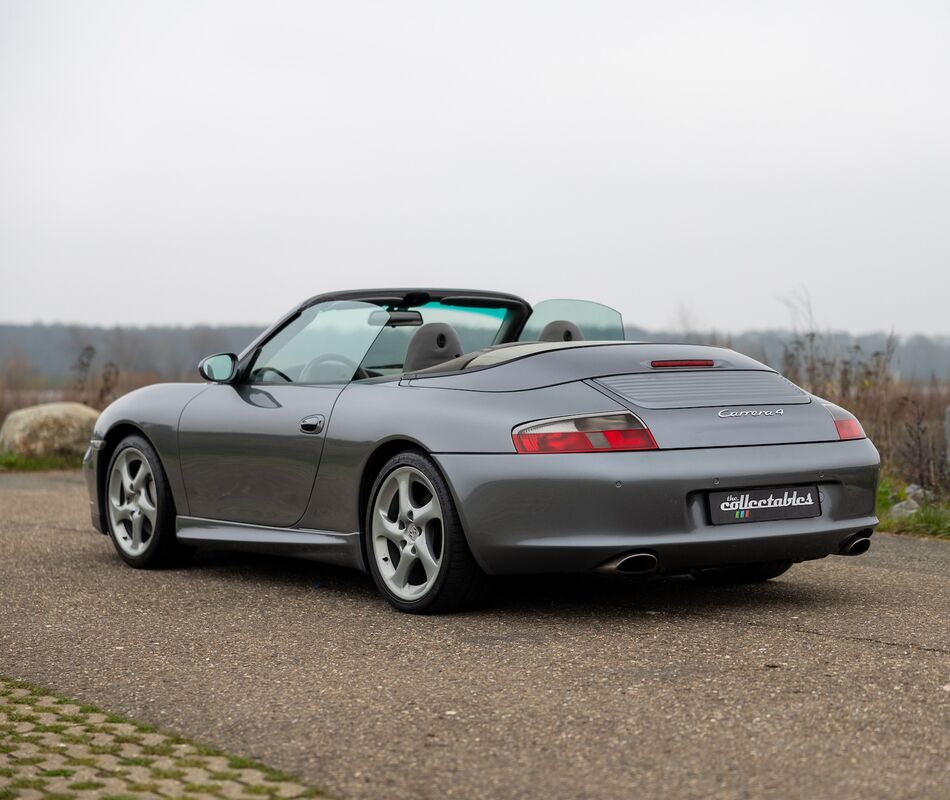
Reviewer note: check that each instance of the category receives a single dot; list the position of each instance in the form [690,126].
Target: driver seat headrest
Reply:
[560,330]
[432,344]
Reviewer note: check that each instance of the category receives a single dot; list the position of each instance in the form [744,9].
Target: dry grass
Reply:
[99,387]
[22,385]
[904,420]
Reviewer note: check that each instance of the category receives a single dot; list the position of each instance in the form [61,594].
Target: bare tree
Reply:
[81,372]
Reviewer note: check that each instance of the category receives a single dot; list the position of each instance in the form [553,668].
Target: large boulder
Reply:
[50,429]
[905,509]
[919,494]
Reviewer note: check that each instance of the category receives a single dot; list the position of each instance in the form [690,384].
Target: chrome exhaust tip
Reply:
[857,545]
[632,564]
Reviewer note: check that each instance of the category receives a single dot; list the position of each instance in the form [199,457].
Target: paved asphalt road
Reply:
[833,681]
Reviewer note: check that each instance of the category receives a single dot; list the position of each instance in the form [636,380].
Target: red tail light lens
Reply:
[849,429]
[845,423]
[594,433]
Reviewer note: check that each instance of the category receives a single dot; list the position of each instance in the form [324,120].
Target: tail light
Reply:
[846,423]
[591,433]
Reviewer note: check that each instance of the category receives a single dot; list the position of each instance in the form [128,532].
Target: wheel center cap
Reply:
[412,532]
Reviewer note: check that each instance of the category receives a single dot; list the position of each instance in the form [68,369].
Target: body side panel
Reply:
[368,415]
[330,547]
[243,455]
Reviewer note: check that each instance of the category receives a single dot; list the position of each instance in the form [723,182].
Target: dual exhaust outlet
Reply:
[644,562]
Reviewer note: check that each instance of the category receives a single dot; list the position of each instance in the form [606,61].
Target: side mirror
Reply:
[218,368]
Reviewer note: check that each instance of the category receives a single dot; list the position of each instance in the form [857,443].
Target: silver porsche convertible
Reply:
[437,437]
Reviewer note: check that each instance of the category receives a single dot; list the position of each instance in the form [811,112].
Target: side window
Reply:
[325,344]
[567,320]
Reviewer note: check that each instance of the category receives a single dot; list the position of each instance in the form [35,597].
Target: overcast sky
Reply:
[216,162]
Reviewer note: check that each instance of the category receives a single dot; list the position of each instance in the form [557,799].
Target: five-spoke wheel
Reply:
[139,506]
[407,533]
[415,546]
[132,508]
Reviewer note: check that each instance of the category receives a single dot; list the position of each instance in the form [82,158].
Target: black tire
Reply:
[162,548]
[460,583]
[747,573]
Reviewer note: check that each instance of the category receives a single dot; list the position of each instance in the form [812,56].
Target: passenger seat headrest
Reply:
[560,330]
[430,345]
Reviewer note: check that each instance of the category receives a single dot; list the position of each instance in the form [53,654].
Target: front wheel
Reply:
[415,546]
[747,573]
[139,507]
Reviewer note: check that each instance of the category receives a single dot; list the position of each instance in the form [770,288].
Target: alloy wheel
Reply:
[407,533]
[132,507]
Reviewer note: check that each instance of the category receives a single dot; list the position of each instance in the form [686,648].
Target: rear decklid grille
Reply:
[704,389]
[717,407]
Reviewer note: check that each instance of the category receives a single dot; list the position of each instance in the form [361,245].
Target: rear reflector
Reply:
[592,433]
[685,362]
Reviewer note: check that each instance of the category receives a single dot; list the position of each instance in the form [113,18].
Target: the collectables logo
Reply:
[743,502]
[752,412]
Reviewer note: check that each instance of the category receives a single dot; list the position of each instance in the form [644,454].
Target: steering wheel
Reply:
[333,358]
[260,371]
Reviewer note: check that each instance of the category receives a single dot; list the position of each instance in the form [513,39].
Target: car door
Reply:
[250,449]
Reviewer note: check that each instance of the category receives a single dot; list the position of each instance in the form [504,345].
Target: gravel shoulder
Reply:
[832,680]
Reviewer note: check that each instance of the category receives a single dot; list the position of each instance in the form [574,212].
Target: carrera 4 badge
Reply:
[765,412]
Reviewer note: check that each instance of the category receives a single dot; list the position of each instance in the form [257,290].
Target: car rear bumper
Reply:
[574,512]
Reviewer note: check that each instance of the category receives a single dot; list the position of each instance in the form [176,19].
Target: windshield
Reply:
[477,327]
[325,343]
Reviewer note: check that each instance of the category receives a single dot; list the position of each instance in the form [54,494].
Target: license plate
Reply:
[759,505]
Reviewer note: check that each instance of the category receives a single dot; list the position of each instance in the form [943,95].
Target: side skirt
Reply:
[330,547]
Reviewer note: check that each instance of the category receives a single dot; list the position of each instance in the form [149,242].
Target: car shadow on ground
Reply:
[546,594]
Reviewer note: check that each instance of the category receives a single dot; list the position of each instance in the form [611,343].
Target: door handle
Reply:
[312,424]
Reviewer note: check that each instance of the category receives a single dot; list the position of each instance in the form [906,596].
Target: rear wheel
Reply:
[747,573]
[139,507]
[415,546]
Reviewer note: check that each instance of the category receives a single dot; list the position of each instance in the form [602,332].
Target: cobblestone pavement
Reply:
[53,748]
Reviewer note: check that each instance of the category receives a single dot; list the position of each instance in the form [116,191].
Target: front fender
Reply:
[152,411]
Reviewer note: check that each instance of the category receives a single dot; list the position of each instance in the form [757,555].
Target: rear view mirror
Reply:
[218,368]
[396,319]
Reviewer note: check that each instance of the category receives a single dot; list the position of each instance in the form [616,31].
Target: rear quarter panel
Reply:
[368,416]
